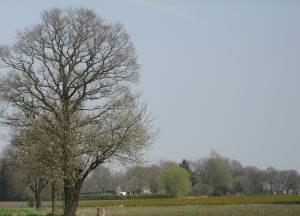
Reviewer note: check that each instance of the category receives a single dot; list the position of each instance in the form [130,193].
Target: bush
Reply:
[175,181]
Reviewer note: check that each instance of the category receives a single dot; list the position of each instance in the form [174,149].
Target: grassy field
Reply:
[188,201]
[202,206]
[211,210]
[229,210]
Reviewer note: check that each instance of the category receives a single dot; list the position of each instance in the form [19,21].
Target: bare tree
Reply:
[100,181]
[255,178]
[271,177]
[75,73]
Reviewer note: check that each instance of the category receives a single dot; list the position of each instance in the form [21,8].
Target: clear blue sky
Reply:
[218,75]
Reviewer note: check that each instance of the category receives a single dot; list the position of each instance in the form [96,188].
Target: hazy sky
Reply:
[218,75]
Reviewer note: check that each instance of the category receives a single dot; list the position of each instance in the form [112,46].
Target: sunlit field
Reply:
[188,201]
[211,210]
[228,210]
[210,206]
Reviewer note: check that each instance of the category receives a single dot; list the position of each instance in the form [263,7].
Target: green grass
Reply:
[20,212]
[211,210]
[225,200]
[201,210]
[201,206]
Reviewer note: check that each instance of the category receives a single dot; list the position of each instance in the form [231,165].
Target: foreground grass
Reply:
[210,210]
[202,206]
[188,201]
[20,212]
[229,210]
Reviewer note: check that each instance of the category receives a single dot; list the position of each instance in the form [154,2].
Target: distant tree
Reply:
[136,178]
[293,181]
[151,175]
[141,177]
[100,180]
[239,180]
[176,181]
[200,188]
[214,174]
[271,177]
[256,179]
[235,168]
[239,184]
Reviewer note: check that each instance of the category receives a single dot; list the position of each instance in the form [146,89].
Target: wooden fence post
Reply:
[100,211]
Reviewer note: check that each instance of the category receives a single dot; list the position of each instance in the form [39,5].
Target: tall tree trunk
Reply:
[37,196]
[53,197]
[71,198]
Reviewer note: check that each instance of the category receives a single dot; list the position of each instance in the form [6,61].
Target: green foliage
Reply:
[217,175]
[200,189]
[176,181]
[239,184]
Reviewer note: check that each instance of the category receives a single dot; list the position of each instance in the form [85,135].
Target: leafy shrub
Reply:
[175,180]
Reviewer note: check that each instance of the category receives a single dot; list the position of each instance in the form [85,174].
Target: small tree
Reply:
[175,181]
[38,167]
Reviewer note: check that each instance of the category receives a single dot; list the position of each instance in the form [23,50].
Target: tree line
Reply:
[211,176]
[214,175]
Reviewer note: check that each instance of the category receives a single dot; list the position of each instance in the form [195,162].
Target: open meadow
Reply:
[189,201]
[202,206]
[210,210]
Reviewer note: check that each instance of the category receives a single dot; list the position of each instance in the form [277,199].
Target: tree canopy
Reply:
[74,72]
